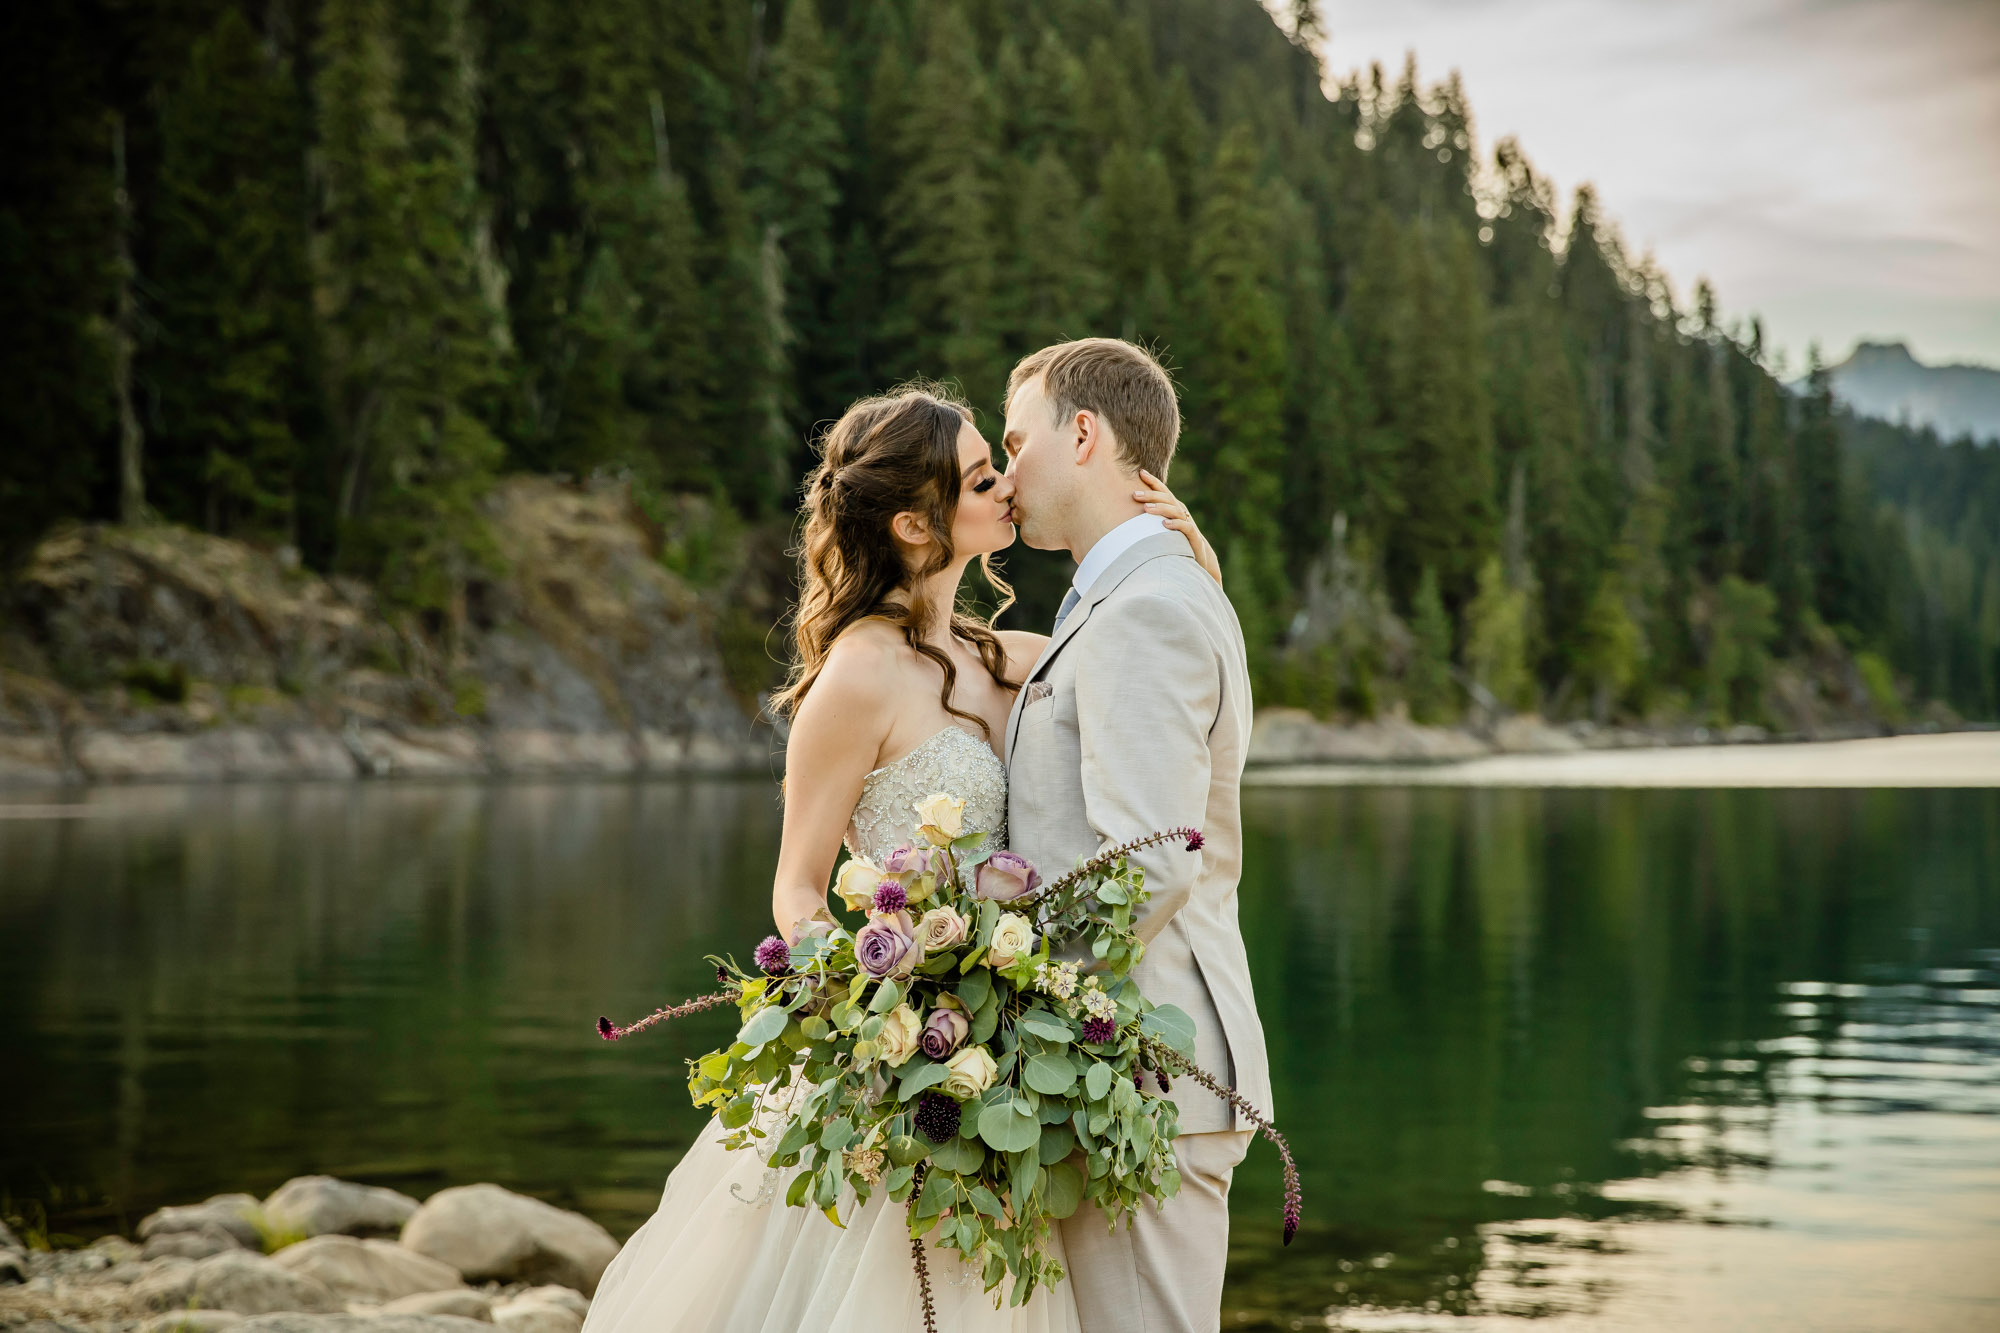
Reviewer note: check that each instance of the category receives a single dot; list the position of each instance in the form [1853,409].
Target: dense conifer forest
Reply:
[313,273]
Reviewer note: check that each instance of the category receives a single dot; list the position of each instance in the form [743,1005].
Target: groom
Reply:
[1136,718]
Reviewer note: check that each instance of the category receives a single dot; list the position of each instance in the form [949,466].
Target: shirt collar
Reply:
[1112,545]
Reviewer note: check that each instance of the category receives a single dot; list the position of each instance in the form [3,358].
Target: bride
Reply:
[894,695]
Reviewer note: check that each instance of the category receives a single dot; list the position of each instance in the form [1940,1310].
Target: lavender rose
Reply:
[1006,877]
[944,1032]
[916,869]
[887,946]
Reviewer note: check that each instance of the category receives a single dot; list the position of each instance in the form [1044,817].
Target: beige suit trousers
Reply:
[1163,1272]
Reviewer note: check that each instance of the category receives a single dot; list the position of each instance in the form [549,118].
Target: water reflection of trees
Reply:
[217,988]
[1473,997]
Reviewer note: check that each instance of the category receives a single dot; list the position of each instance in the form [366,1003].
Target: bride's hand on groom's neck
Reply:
[1154,497]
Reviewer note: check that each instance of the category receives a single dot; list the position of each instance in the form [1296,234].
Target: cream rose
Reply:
[972,1071]
[942,817]
[941,928]
[900,1034]
[856,883]
[1012,937]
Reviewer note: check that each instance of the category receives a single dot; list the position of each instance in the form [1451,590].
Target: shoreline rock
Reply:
[538,1262]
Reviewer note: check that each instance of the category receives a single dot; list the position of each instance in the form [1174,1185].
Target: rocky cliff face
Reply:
[159,653]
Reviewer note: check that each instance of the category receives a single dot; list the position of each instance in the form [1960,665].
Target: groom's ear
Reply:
[1087,435]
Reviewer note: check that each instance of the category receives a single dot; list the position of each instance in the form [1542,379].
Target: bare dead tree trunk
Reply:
[124,340]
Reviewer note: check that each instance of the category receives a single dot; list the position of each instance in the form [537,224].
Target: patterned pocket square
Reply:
[1036,691]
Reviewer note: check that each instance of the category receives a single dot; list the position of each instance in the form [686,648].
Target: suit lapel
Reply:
[1160,544]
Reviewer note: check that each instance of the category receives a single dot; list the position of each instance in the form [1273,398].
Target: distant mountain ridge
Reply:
[1884,380]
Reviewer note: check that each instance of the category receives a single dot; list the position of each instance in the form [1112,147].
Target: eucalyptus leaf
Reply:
[1050,1075]
[976,989]
[1097,1081]
[1058,1142]
[763,1026]
[1009,1127]
[796,1195]
[1172,1026]
[886,999]
[958,1156]
[926,1075]
[905,1149]
[1062,1190]
[836,1135]
[1046,1026]
[985,1201]
[983,1024]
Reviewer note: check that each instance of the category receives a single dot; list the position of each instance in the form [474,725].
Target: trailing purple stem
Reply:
[1294,1197]
[612,1032]
[1103,860]
[917,1253]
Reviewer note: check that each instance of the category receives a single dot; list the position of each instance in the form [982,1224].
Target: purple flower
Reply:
[1097,1031]
[1292,1202]
[1194,840]
[890,897]
[944,1030]
[606,1029]
[937,1117]
[721,975]
[886,946]
[773,957]
[1006,877]
[907,860]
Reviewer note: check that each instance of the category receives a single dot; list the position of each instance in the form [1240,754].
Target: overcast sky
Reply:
[1833,165]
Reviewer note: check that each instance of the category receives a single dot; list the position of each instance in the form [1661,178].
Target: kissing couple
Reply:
[1132,714]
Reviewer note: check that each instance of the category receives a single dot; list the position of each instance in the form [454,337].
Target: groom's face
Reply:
[1041,461]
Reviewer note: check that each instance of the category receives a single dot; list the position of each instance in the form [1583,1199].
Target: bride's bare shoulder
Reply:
[1022,648]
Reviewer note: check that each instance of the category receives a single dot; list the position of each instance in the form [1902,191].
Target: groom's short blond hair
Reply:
[1121,382]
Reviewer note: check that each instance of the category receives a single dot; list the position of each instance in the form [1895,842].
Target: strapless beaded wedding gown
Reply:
[725,1255]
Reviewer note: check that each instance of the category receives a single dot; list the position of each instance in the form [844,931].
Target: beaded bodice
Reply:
[955,762]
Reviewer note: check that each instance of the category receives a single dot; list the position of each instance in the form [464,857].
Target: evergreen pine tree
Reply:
[940,221]
[1433,697]
[232,301]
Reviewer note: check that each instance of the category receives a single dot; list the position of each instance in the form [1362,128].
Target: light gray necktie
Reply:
[1069,602]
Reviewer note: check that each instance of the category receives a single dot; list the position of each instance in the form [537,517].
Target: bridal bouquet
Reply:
[942,1055]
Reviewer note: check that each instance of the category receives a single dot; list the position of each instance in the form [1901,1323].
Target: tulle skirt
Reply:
[725,1255]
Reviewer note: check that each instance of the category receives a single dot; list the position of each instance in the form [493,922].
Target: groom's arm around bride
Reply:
[1137,717]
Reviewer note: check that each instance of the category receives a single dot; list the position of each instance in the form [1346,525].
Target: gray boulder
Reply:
[461,1301]
[210,1238]
[322,1205]
[238,1214]
[486,1232]
[191,1321]
[360,1323]
[235,1280]
[373,1271]
[531,1312]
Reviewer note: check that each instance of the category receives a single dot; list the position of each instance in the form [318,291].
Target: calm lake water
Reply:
[1631,1060]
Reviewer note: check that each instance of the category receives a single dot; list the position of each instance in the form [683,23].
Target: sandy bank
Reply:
[1957,759]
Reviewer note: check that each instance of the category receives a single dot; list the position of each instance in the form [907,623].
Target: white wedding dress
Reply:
[725,1255]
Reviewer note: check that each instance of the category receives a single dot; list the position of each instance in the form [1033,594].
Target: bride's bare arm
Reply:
[835,738]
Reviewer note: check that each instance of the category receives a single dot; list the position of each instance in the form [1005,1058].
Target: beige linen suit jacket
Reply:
[1136,718]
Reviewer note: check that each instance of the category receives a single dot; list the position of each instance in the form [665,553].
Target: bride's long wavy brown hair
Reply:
[888,454]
